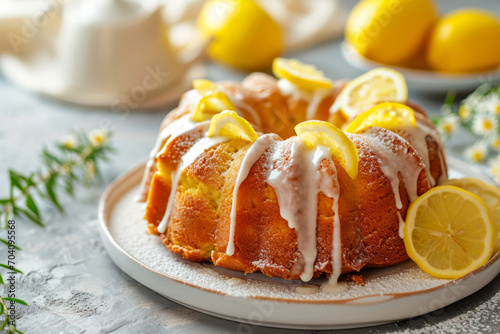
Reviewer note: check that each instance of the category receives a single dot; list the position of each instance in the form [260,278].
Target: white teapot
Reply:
[112,53]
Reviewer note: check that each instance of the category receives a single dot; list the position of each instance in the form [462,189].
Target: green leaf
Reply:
[50,157]
[4,201]
[19,301]
[2,282]
[7,243]
[18,331]
[27,179]
[49,187]
[450,98]
[30,216]
[7,218]
[2,309]
[30,204]
[13,269]
[68,186]
[15,181]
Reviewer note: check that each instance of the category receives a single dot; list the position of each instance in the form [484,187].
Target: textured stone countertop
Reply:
[70,282]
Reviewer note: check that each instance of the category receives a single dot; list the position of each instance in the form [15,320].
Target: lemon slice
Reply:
[305,76]
[375,86]
[315,133]
[448,232]
[229,124]
[489,194]
[387,115]
[211,104]
[204,86]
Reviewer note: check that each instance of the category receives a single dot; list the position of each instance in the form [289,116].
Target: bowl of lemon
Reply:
[455,51]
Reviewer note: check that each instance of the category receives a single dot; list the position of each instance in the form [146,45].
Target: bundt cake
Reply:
[274,205]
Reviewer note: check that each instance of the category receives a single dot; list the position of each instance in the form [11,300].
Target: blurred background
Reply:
[122,64]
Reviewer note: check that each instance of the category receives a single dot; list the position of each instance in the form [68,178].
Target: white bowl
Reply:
[424,80]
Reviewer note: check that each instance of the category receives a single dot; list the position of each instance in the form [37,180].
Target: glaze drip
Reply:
[187,159]
[401,226]
[329,185]
[261,145]
[297,185]
[396,160]
[417,138]
[297,200]
[173,130]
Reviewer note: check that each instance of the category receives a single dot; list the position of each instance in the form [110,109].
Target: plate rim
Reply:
[137,169]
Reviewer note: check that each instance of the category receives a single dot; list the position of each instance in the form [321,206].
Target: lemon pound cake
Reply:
[254,176]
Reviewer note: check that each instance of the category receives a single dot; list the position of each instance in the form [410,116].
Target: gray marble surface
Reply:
[71,284]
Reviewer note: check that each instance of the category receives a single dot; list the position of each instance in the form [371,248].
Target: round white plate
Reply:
[422,80]
[390,294]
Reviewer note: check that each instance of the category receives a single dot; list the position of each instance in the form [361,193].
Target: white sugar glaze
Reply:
[261,145]
[297,185]
[417,138]
[187,159]
[394,161]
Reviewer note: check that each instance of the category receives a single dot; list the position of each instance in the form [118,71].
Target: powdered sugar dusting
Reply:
[129,231]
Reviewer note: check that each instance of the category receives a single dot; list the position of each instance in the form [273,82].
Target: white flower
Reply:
[494,165]
[477,152]
[98,137]
[69,142]
[90,169]
[464,111]
[485,124]
[449,124]
[496,178]
[489,104]
[495,143]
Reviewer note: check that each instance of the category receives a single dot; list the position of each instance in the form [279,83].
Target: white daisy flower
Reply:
[494,165]
[485,124]
[477,152]
[496,178]
[488,105]
[98,137]
[448,124]
[69,142]
[464,111]
[90,169]
[495,143]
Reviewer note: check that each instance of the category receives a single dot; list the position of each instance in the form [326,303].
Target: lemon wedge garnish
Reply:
[229,124]
[315,133]
[212,102]
[389,115]
[449,232]
[489,194]
[375,86]
[305,76]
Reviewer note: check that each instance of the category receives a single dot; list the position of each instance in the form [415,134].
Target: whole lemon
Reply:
[390,31]
[466,40]
[244,35]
